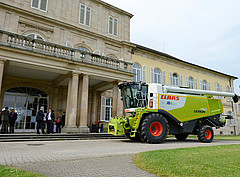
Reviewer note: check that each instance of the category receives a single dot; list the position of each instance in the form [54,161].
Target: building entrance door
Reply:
[26,102]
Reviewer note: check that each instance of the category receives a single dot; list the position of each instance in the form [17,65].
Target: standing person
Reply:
[63,119]
[50,119]
[12,119]
[5,120]
[39,119]
[58,123]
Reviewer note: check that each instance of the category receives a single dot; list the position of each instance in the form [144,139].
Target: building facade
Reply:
[152,66]
[64,55]
[71,55]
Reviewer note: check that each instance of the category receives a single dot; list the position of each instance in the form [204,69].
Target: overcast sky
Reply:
[204,32]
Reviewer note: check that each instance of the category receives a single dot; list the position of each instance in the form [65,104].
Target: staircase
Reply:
[55,137]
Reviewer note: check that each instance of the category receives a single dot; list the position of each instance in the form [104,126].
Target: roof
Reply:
[177,59]
[115,8]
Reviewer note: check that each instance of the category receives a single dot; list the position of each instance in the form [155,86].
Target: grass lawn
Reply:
[198,161]
[6,171]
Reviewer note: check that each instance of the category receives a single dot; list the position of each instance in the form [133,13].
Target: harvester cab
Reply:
[157,110]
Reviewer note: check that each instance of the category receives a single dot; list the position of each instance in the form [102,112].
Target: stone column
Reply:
[79,100]
[115,99]
[84,105]
[71,116]
[94,107]
[1,74]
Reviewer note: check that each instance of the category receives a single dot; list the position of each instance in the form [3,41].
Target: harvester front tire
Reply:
[181,137]
[154,128]
[205,134]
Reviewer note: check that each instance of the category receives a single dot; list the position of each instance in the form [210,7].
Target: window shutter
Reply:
[82,13]
[170,78]
[43,5]
[35,3]
[151,75]
[110,28]
[196,84]
[187,82]
[115,27]
[164,77]
[103,108]
[144,74]
[88,16]
[209,86]
[181,80]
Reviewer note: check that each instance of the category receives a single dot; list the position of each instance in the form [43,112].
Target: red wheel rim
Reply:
[156,128]
[208,134]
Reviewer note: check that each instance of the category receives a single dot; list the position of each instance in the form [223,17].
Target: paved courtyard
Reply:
[87,157]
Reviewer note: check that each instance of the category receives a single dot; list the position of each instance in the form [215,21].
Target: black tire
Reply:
[154,128]
[205,134]
[181,137]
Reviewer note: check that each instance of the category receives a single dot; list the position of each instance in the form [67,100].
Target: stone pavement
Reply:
[109,157]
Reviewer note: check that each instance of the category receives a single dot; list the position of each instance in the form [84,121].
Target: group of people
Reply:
[51,120]
[7,120]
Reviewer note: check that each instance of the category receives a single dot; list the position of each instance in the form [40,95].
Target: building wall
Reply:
[60,24]
[171,66]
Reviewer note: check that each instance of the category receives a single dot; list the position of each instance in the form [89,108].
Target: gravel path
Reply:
[85,158]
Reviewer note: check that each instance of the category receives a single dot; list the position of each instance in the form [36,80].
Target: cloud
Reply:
[200,31]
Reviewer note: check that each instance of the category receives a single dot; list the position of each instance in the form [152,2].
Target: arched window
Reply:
[83,49]
[137,71]
[175,79]
[157,76]
[228,90]
[216,86]
[204,85]
[35,36]
[191,83]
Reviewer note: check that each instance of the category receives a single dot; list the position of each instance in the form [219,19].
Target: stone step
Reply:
[55,137]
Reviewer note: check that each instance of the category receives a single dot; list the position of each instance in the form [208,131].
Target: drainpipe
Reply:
[233,110]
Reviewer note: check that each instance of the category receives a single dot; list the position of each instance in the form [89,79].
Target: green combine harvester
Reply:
[156,110]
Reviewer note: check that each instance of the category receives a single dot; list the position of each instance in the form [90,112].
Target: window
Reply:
[83,49]
[217,89]
[113,26]
[35,36]
[175,79]
[191,83]
[228,90]
[157,76]
[40,5]
[164,77]
[106,108]
[85,15]
[137,71]
[68,44]
[144,74]
[204,85]
[181,80]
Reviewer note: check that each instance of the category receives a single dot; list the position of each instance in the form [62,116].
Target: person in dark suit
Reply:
[50,120]
[12,119]
[39,120]
[63,119]
[5,120]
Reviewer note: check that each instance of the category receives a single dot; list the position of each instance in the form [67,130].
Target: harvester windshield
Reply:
[134,95]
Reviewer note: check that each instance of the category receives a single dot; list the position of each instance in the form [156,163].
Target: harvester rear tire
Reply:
[205,134]
[154,128]
[181,137]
